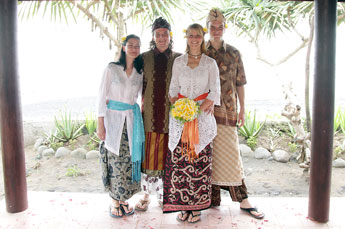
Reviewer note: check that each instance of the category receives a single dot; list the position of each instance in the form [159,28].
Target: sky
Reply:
[59,61]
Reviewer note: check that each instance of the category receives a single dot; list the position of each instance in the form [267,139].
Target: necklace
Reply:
[195,56]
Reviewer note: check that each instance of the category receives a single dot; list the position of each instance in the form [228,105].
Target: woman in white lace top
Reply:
[187,183]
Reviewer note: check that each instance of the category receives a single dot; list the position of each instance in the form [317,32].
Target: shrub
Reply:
[94,140]
[251,127]
[251,142]
[51,141]
[273,134]
[338,151]
[49,138]
[291,132]
[66,128]
[337,121]
[293,147]
[90,123]
[342,121]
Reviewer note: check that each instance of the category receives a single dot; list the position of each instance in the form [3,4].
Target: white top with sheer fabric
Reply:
[117,86]
[191,83]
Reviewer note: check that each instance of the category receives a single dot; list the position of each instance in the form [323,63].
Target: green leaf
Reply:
[45,8]
[66,128]
[251,127]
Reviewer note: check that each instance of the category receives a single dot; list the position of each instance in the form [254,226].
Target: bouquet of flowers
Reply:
[185,110]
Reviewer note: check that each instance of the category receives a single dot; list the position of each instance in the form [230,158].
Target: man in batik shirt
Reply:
[157,75]
[227,169]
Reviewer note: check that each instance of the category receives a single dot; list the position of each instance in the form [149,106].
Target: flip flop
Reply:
[196,215]
[117,209]
[250,210]
[144,203]
[182,219]
[124,211]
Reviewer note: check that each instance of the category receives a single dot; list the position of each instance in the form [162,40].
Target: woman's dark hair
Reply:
[138,62]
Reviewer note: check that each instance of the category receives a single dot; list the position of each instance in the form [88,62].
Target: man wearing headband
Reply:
[227,168]
[158,63]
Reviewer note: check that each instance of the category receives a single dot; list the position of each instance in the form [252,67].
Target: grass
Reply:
[73,171]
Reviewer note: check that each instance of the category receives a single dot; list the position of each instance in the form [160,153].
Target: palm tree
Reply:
[110,17]
[260,18]
[257,18]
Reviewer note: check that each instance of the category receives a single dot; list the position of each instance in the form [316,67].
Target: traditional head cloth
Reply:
[160,23]
[215,15]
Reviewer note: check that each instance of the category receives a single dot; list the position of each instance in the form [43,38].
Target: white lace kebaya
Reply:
[191,83]
[117,86]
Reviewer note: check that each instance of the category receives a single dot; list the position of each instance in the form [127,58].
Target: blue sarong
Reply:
[138,137]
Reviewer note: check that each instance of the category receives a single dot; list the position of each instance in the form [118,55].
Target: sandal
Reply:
[117,209]
[184,216]
[190,219]
[142,205]
[127,208]
[250,210]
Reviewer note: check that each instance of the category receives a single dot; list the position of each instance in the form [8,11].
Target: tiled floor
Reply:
[88,210]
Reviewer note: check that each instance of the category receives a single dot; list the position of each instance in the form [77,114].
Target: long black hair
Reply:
[138,62]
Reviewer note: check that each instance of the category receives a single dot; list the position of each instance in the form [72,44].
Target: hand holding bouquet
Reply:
[186,111]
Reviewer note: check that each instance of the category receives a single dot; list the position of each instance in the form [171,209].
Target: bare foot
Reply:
[115,209]
[125,208]
[194,217]
[182,216]
[142,205]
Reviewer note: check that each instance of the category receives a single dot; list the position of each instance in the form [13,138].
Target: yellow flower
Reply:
[185,110]
[123,39]
[185,31]
[226,25]
[171,33]
[204,29]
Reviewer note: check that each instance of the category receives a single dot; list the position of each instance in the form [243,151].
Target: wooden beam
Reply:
[13,157]
[323,110]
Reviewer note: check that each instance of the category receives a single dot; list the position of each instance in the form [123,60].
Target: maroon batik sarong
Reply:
[187,185]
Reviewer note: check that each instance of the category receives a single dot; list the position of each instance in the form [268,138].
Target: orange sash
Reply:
[190,133]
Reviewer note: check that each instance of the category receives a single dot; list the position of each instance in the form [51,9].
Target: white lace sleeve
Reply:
[214,82]
[174,86]
[102,94]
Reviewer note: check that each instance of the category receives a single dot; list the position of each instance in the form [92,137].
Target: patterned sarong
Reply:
[117,170]
[187,186]
[227,168]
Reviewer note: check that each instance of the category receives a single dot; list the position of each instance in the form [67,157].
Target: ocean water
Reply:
[60,67]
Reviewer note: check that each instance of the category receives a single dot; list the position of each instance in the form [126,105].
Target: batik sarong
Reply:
[187,185]
[117,170]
